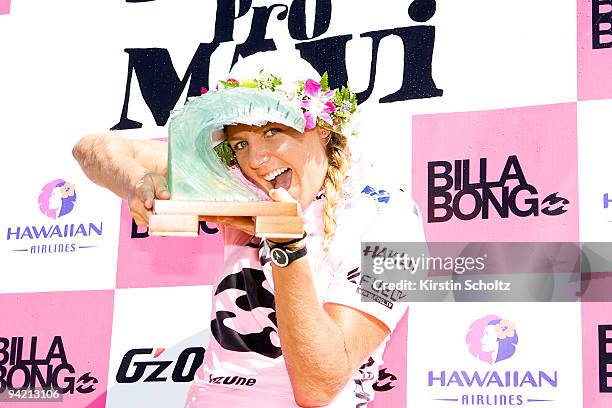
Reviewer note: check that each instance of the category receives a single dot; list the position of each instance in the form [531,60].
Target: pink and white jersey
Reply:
[244,363]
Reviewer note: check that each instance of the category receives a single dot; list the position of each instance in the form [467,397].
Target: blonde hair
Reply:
[339,157]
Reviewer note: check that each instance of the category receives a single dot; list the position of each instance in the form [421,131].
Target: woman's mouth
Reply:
[280,178]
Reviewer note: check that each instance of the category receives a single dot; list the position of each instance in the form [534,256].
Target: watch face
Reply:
[279,257]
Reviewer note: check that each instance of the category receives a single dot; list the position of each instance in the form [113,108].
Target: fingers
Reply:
[146,190]
[281,195]
[245,224]
[160,185]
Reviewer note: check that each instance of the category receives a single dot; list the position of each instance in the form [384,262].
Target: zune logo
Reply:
[57,198]
[159,368]
[492,339]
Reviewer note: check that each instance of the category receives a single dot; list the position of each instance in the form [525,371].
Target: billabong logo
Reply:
[57,198]
[450,182]
[24,368]
[492,339]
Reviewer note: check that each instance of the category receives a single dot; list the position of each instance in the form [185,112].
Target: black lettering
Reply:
[328,55]
[532,202]
[257,41]
[68,387]
[601,24]
[417,82]
[126,362]
[297,19]
[60,353]
[136,233]
[477,204]
[511,163]
[154,376]
[489,197]
[198,359]
[226,17]
[159,83]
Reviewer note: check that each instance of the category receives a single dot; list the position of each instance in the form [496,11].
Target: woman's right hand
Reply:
[140,198]
[133,169]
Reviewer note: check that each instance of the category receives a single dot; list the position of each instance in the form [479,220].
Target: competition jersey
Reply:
[244,363]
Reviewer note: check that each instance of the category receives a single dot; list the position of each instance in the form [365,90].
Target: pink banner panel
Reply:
[597,354]
[57,340]
[391,385]
[499,175]
[5,6]
[594,53]
[146,261]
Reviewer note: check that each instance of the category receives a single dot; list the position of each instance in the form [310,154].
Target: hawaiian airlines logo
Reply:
[492,339]
[57,198]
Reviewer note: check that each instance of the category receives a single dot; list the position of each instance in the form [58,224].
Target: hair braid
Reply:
[338,155]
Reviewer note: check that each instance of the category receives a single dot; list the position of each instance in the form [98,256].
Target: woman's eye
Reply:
[240,145]
[271,132]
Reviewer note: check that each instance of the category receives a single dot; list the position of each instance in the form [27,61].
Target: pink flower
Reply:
[317,104]
[67,190]
[203,90]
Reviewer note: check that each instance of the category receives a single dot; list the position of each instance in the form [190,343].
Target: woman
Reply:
[283,333]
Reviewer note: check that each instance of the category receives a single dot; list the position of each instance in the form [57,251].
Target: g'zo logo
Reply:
[159,367]
[481,196]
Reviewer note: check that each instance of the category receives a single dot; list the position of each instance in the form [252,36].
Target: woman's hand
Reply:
[247,224]
[140,197]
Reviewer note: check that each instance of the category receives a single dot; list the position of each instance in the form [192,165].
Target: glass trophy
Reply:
[201,180]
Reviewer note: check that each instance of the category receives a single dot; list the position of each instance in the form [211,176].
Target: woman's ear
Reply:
[323,133]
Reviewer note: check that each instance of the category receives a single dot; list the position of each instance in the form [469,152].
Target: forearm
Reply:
[313,345]
[110,161]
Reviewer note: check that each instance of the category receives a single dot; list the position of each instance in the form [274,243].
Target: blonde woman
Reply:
[296,330]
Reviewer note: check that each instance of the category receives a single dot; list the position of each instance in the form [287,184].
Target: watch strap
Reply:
[283,257]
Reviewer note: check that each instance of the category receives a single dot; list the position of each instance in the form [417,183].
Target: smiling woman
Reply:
[290,323]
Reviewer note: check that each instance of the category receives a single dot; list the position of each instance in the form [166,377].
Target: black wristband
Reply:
[273,244]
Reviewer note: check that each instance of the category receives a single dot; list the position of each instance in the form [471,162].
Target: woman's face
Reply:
[489,339]
[55,201]
[274,156]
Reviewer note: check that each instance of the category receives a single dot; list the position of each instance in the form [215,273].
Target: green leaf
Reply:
[324,82]
[229,84]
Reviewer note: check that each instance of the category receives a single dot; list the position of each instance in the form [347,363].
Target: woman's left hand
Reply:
[247,224]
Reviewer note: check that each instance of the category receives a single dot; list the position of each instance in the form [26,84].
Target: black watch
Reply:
[283,257]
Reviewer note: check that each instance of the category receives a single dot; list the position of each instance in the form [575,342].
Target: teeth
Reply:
[273,174]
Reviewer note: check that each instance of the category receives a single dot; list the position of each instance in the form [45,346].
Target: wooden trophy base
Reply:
[181,218]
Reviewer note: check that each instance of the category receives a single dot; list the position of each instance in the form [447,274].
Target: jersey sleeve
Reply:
[395,219]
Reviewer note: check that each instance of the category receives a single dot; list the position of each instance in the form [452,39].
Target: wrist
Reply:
[289,244]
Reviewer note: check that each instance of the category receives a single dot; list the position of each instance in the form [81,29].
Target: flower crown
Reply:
[329,108]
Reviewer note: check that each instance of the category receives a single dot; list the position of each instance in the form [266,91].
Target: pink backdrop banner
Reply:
[5,6]
[595,315]
[594,62]
[83,321]
[165,261]
[393,370]
[543,140]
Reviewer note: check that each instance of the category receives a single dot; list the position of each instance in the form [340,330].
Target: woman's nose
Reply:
[258,155]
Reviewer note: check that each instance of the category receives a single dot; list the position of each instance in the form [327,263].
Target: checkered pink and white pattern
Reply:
[520,79]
